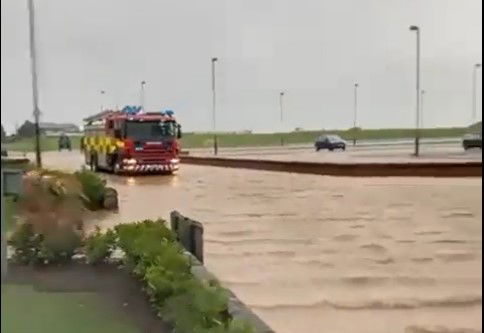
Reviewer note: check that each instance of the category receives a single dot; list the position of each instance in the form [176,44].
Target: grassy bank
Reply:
[199,140]
[28,310]
[192,140]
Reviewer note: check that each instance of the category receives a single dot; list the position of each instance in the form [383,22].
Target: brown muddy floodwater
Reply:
[324,254]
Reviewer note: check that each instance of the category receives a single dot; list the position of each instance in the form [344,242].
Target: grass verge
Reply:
[25,310]
[200,140]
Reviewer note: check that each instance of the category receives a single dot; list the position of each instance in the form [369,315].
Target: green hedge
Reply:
[152,254]
[93,187]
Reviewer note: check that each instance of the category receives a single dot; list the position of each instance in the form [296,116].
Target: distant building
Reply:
[54,129]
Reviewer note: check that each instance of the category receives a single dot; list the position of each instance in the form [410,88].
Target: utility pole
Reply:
[142,96]
[102,98]
[35,92]
[355,112]
[281,104]
[474,93]
[417,121]
[422,96]
[214,100]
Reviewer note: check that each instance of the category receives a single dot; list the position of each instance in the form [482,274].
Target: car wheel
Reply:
[331,149]
[318,149]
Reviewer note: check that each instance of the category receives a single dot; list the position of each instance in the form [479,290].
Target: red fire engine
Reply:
[132,141]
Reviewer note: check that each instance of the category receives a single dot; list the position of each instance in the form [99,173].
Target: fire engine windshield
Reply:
[151,130]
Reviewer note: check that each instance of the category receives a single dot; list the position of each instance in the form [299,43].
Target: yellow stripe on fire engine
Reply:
[103,144]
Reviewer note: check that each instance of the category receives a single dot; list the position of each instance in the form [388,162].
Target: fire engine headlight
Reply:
[129,161]
[174,161]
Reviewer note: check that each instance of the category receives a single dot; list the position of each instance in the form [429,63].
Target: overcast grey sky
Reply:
[313,49]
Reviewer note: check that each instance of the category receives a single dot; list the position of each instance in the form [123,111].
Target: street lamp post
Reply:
[35,92]
[142,96]
[102,99]
[417,121]
[281,105]
[355,114]
[214,103]
[474,92]
[422,96]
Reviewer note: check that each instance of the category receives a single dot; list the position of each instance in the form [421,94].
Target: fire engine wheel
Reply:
[94,166]
[117,168]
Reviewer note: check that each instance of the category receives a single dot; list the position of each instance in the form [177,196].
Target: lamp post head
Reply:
[281,93]
[214,59]
[356,85]
[414,28]
[102,92]
[478,65]
[143,83]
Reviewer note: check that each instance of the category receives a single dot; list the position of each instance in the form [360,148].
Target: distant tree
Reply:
[27,129]
[4,135]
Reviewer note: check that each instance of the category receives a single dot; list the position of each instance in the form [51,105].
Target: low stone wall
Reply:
[420,169]
[190,235]
[237,309]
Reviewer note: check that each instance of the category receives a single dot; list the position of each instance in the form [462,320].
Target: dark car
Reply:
[330,142]
[64,142]
[472,141]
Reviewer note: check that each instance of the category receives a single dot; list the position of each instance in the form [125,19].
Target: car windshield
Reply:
[333,138]
[152,130]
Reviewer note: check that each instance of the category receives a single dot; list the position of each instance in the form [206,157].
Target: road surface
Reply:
[401,152]
[327,254]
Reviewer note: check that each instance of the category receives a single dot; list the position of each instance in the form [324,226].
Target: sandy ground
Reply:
[328,254]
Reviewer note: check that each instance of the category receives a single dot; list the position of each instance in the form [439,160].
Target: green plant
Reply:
[239,326]
[193,306]
[26,244]
[59,245]
[99,246]
[152,254]
[93,188]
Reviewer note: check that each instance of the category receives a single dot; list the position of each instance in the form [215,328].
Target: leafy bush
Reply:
[26,244]
[56,246]
[52,212]
[59,245]
[93,188]
[196,307]
[99,246]
[190,305]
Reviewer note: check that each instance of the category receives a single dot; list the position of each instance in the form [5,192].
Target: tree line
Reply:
[27,130]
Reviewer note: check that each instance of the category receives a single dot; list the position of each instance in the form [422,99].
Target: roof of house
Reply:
[55,126]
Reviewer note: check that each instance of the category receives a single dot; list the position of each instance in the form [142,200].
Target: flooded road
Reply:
[326,254]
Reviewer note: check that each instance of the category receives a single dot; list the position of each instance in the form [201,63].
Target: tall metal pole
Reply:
[142,96]
[102,98]
[474,93]
[417,120]
[35,92]
[214,101]
[422,96]
[355,112]
[281,105]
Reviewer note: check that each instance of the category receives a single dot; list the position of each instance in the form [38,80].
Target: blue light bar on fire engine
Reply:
[169,113]
[130,109]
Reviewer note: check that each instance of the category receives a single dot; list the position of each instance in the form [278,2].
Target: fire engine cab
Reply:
[132,141]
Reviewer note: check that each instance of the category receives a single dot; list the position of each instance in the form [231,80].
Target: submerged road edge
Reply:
[415,169]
